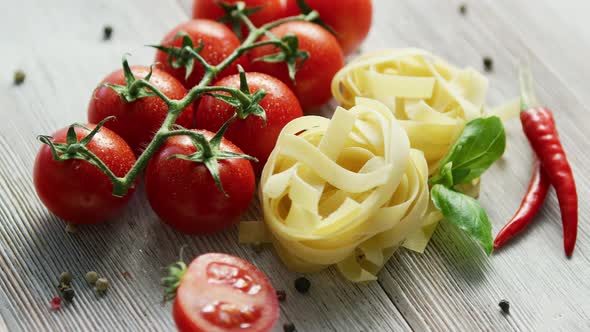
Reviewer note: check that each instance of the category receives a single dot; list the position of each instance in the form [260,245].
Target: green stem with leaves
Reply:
[138,88]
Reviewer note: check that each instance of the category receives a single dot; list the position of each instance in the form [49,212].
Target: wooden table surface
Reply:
[453,286]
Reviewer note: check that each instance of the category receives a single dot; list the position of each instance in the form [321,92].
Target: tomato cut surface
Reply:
[220,292]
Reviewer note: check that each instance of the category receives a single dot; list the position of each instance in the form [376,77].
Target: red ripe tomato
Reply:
[271,10]
[314,78]
[137,121]
[184,195]
[76,190]
[218,40]
[219,292]
[351,19]
[253,136]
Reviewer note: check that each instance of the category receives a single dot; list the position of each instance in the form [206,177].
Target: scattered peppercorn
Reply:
[126,274]
[488,64]
[107,32]
[65,278]
[289,327]
[55,303]
[101,285]
[463,9]
[302,285]
[504,306]
[68,294]
[71,228]
[281,295]
[19,77]
[91,277]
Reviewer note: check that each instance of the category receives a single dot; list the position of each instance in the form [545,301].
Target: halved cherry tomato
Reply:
[219,292]
[314,78]
[350,19]
[218,40]
[271,10]
[256,138]
[77,191]
[185,196]
[137,121]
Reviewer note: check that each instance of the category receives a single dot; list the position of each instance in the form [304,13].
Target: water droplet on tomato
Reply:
[228,315]
[226,274]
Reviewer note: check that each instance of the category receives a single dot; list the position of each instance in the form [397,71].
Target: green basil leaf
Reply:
[465,213]
[481,143]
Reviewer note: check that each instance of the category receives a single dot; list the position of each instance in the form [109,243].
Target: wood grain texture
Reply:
[452,287]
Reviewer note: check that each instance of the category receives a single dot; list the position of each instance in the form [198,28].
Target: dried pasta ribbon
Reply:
[344,192]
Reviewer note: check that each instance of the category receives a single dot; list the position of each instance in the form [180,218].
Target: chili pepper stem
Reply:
[528,98]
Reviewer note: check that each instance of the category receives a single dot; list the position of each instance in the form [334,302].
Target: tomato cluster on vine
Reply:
[198,126]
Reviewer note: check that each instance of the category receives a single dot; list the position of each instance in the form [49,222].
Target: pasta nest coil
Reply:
[344,192]
[432,99]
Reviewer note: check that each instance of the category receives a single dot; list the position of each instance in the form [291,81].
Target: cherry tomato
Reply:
[314,78]
[137,121]
[350,19]
[218,40]
[219,292]
[253,136]
[77,191]
[271,10]
[184,195]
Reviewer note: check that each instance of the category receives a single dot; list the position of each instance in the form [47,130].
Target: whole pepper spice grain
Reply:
[488,64]
[107,32]
[91,277]
[281,295]
[289,327]
[463,9]
[55,303]
[302,285]
[19,77]
[65,278]
[102,284]
[504,306]
[68,294]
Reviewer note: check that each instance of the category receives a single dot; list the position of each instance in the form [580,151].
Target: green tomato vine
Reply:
[208,151]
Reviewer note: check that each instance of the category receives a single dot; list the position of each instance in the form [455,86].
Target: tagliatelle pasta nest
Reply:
[345,191]
[432,99]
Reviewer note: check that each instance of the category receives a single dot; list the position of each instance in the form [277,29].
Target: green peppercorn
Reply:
[65,278]
[463,9]
[19,77]
[91,277]
[302,285]
[68,294]
[101,285]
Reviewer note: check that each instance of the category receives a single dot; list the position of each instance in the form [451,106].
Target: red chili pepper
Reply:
[530,205]
[539,127]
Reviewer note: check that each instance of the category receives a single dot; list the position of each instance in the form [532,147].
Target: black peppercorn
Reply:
[68,294]
[463,9]
[107,32]
[281,295]
[488,64]
[289,327]
[302,285]
[504,306]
